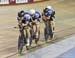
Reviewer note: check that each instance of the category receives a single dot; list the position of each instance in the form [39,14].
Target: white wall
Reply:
[38,0]
[4,1]
[21,1]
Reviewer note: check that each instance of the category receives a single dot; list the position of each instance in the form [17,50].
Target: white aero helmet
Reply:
[50,7]
[32,11]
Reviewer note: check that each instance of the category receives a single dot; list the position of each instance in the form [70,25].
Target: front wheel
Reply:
[20,44]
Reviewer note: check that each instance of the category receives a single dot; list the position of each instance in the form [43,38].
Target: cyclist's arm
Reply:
[48,17]
[43,17]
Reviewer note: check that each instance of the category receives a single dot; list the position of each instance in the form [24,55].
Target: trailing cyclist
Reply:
[48,15]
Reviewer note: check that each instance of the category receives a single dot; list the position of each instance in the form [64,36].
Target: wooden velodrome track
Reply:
[65,24]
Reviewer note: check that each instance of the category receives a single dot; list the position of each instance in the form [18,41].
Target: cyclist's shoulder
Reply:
[26,13]
[37,12]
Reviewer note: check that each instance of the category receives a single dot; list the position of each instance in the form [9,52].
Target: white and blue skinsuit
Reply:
[51,13]
[36,16]
[27,17]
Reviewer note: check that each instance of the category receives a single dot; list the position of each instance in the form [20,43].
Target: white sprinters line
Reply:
[53,50]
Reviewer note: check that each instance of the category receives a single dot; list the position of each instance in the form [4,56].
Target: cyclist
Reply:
[49,15]
[36,16]
[20,18]
[27,24]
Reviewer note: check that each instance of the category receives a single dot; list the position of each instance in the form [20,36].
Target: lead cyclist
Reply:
[27,24]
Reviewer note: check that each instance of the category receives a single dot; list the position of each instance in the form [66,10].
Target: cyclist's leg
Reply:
[37,29]
[19,29]
[25,42]
[34,31]
[34,27]
[37,26]
[53,29]
[28,36]
[53,25]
